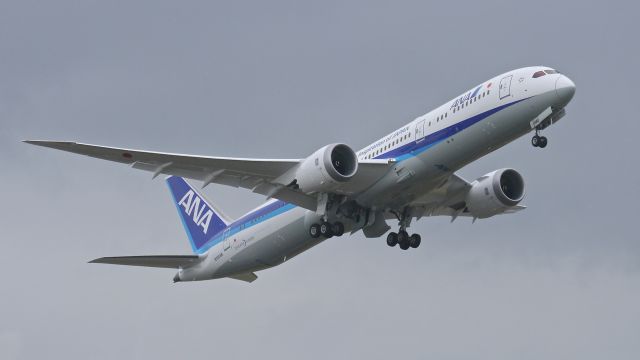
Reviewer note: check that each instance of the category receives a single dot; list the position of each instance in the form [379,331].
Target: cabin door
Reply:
[505,86]
[420,131]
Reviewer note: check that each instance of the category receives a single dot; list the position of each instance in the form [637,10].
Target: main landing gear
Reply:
[401,237]
[326,229]
[538,141]
[404,240]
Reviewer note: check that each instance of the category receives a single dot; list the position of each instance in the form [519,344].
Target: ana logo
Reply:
[197,209]
[465,97]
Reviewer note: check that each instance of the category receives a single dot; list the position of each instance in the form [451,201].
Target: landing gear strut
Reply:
[538,141]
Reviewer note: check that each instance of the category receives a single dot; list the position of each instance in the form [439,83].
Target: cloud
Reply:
[559,280]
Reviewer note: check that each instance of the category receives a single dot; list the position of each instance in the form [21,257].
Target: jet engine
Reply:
[494,193]
[326,168]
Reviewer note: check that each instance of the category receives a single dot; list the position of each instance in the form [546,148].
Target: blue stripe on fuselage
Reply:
[420,145]
[260,215]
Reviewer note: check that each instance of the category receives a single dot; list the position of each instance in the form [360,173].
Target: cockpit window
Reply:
[551,71]
[537,74]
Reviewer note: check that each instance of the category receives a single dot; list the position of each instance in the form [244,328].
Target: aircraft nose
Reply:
[565,88]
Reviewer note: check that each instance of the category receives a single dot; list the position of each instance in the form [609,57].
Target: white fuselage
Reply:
[428,150]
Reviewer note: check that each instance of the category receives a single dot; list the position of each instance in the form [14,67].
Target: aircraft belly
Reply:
[280,239]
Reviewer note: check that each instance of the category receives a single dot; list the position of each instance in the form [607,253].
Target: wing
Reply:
[447,200]
[268,177]
[158,261]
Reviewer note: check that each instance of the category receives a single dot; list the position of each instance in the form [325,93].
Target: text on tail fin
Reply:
[199,217]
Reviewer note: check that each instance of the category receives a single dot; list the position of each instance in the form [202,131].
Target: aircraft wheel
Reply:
[535,141]
[338,229]
[543,142]
[415,240]
[325,229]
[403,240]
[392,239]
[314,230]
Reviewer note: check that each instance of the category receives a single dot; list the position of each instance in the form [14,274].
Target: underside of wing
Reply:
[258,175]
[157,261]
[270,177]
[450,199]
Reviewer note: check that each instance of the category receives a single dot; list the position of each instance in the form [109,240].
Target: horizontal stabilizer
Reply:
[157,261]
[248,277]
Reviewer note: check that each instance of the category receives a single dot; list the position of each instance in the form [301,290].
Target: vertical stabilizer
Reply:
[200,218]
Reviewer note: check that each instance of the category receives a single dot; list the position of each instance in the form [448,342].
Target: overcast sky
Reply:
[560,280]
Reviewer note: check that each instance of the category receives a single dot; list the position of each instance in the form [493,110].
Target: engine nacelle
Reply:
[326,168]
[494,193]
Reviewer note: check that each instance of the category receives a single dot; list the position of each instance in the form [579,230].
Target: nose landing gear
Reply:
[539,141]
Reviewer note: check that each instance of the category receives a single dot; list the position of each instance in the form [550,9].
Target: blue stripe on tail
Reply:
[199,218]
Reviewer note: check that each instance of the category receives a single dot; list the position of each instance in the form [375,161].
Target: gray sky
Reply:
[281,79]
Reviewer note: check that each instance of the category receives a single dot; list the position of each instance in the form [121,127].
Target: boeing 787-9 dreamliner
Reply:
[407,174]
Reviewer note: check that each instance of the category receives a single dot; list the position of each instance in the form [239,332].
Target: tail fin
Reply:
[200,218]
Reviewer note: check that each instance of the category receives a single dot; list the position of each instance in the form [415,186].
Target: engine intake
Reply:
[326,168]
[495,192]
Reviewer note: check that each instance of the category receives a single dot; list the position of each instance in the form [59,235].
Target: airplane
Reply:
[408,174]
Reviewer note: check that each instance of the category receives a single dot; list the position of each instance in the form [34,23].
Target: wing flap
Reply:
[157,261]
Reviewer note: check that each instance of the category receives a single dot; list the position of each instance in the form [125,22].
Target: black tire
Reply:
[338,228]
[403,240]
[314,231]
[543,142]
[392,239]
[535,141]
[415,240]
[325,229]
